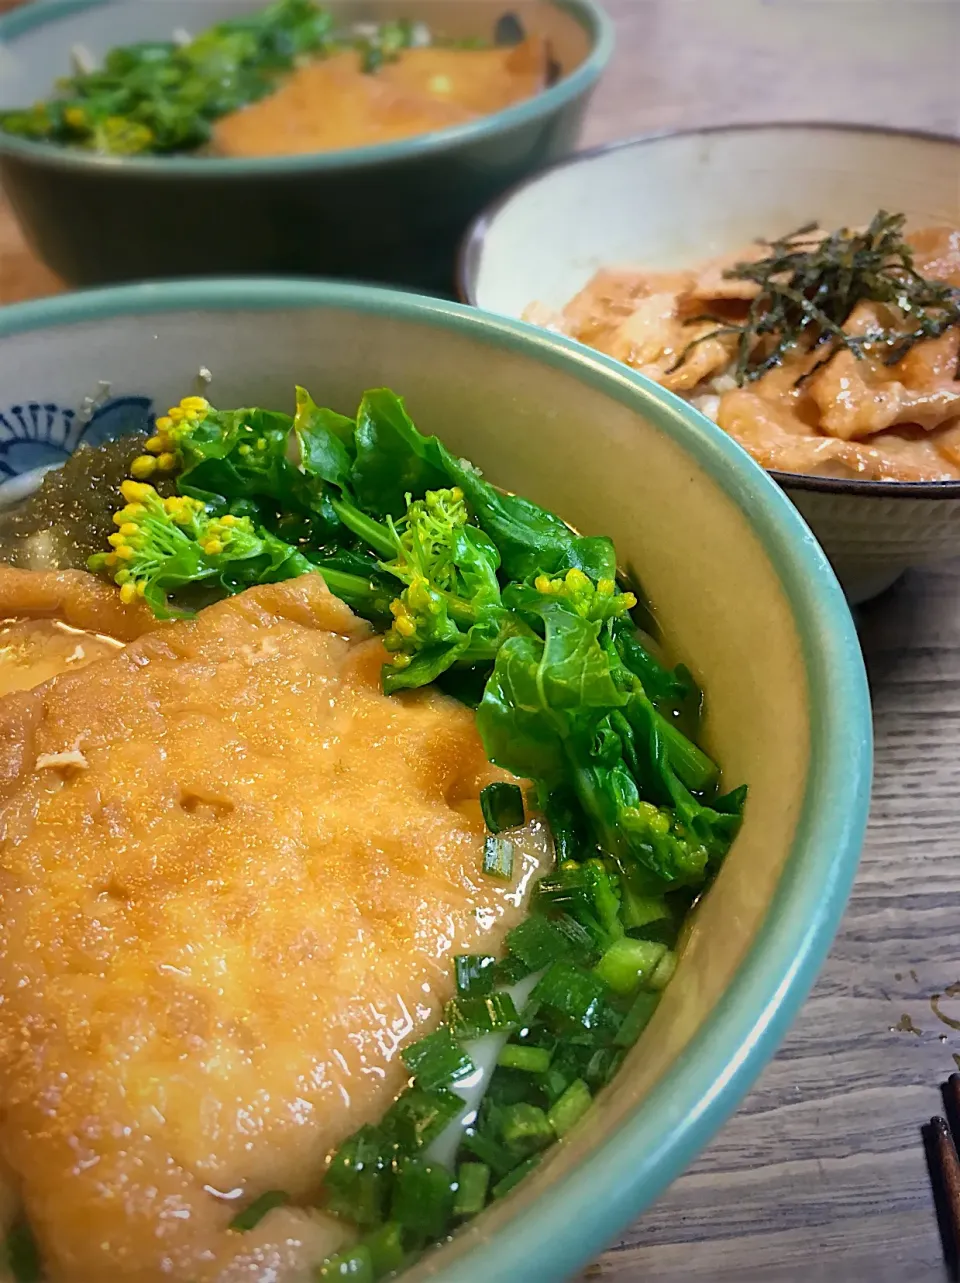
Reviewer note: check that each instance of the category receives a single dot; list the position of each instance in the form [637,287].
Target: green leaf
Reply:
[355,1263]
[326,441]
[22,1253]
[392,458]
[531,540]
[252,1215]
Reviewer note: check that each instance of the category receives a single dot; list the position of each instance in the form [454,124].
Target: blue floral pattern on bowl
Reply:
[38,434]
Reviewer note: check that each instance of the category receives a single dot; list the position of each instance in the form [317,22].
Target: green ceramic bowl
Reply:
[739,587]
[390,213]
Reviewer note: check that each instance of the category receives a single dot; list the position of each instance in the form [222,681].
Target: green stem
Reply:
[375,535]
[362,595]
[697,771]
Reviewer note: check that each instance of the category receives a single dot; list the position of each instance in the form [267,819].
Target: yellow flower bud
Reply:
[155,445]
[145,465]
[195,404]
[175,414]
[212,547]
[128,593]
[136,492]
[167,461]
[117,539]
[606,587]
[125,553]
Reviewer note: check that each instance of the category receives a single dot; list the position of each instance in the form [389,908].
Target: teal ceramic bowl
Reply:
[390,213]
[739,587]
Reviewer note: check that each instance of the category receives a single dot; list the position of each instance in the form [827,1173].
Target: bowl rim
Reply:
[589,1205]
[589,14]
[471,248]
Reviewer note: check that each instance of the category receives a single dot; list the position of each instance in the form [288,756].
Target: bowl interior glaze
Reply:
[740,589]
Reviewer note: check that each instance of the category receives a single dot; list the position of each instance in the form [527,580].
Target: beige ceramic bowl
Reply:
[673,200]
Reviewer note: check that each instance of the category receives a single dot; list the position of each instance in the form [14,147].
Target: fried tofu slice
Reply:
[54,622]
[233,874]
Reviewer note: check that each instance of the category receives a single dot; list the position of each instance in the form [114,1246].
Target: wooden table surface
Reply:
[820,1176]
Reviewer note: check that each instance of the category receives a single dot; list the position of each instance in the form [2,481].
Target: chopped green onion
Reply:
[385,1246]
[502,806]
[637,1018]
[489,1151]
[473,1180]
[474,1017]
[498,858]
[538,941]
[437,1060]
[417,1116]
[422,1198]
[602,1066]
[556,1081]
[571,992]
[354,1263]
[570,1108]
[357,1178]
[638,911]
[664,971]
[511,969]
[512,1179]
[22,1253]
[532,1060]
[628,963]
[525,1128]
[252,1216]
[475,973]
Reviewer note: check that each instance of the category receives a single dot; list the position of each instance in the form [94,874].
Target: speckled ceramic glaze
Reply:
[392,212]
[670,201]
[739,587]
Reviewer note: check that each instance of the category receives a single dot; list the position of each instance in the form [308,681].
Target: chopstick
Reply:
[941,1138]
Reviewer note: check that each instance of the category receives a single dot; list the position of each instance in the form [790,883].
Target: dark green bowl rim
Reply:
[588,13]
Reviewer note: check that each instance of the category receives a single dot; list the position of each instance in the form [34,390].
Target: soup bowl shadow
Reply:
[392,212]
[740,590]
[671,200]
